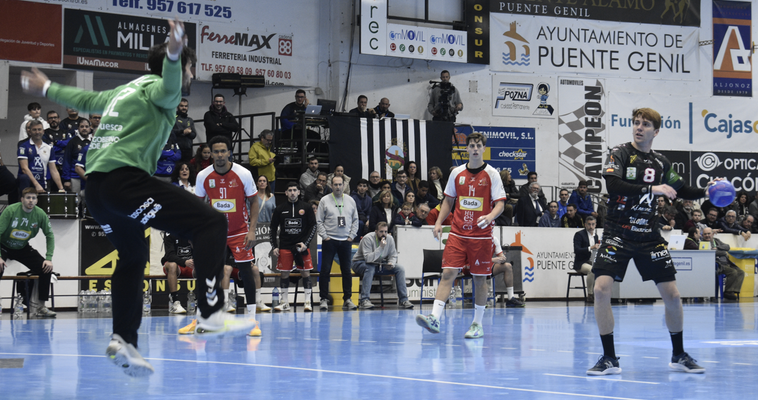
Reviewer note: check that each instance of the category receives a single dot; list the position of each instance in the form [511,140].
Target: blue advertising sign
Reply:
[507,148]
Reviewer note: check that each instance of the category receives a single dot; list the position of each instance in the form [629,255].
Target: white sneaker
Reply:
[307,306]
[229,307]
[262,307]
[128,358]
[176,308]
[324,305]
[282,307]
[219,323]
[44,312]
[349,305]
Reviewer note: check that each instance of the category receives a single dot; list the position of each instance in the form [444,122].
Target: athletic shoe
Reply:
[255,332]
[407,305]
[474,332]
[685,363]
[283,307]
[349,305]
[605,366]
[364,304]
[513,302]
[175,307]
[429,322]
[189,329]
[43,312]
[219,323]
[262,307]
[324,305]
[128,358]
[307,306]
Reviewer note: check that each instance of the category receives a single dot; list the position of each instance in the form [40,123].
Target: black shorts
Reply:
[652,259]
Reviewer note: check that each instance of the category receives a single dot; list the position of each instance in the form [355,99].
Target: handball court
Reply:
[538,352]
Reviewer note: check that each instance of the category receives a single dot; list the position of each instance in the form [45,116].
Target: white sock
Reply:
[258,297]
[284,294]
[308,295]
[478,313]
[510,292]
[439,305]
[226,295]
[251,310]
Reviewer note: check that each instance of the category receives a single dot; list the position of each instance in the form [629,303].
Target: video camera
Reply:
[446,92]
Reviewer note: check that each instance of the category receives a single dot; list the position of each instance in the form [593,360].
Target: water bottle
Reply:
[458,295]
[18,306]
[191,303]
[80,306]
[451,300]
[90,304]
[232,293]
[107,302]
[100,298]
[147,301]
[275,297]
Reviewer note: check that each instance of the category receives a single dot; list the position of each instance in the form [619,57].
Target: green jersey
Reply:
[136,118]
[18,227]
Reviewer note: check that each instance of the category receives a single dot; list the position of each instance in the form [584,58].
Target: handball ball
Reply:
[721,193]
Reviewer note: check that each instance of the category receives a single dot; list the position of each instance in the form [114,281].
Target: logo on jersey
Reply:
[21,235]
[471,203]
[632,159]
[631,172]
[224,205]
[462,180]
[301,212]
[233,183]
[212,183]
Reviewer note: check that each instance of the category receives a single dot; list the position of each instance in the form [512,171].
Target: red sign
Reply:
[22,40]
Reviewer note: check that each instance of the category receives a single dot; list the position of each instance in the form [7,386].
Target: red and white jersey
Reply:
[228,193]
[475,195]
[497,249]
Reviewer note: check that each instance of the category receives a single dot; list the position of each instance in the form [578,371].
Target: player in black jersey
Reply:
[635,175]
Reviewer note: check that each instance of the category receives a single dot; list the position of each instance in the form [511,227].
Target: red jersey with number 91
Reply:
[228,193]
[475,192]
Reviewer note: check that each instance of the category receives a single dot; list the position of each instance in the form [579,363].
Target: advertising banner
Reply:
[675,119]
[113,42]
[374,27]
[223,48]
[507,148]
[582,132]
[741,169]
[523,96]
[545,46]
[426,43]
[41,44]
[193,11]
[732,49]
[669,12]
[478,23]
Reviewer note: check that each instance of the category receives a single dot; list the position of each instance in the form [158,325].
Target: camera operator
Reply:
[445,102]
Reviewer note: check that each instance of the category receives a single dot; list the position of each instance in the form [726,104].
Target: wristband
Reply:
[45,87]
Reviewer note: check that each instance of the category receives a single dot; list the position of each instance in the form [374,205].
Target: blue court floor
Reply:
[539,352]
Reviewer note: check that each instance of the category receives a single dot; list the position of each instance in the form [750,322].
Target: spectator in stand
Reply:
[550,219]
[167,161]
[289,114]
[363,203]
[310,174]
[386,185]
[693,239]
[202,159]
[422,212]
[261,156]
[749,224]
[563,203]
[318,189]
[583,201]
[8,184]
[753,207]
[374,183]
[668,219]
[512,195]
[184,129]
[383,210]
[72,121]
[94,120]
[35,168]
[431,219]
[423,195]
[362,110]
[218,121]
[54,131]
[707,206]
[266,200]
[410,197]
[184,177]
[524,189]
[529,208]
[177,263]
[571,219]
[35,113]
[57,137]
[684,214]
[740,205]
[400,187]
[339,170]
[411,168]
[436,182]
[729,224]
[71,180]
[406,216]
[712,219]
[734,275]
[383,109]
[586,244]
[695,222]
[314,205]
